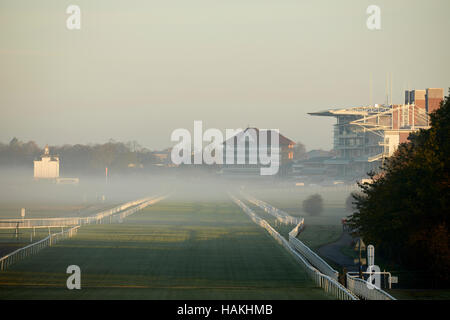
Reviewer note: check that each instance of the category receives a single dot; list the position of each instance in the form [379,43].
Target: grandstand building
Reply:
[243,145]
[365,135]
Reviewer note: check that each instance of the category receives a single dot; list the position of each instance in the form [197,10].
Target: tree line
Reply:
[405,211]
[80,158]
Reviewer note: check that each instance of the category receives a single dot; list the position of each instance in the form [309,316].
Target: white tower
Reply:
[47,167]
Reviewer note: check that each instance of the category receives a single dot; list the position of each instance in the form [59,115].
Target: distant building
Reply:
[242,146]
[364,135]
[47,167]
[319,153]
[313,166]
[162,156]
[74,181]
[434,97]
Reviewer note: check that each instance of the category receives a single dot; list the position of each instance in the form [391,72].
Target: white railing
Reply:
[299,228]
[358,286]
[122,215]
[282,216]
[365,290]
[69,221]
[39,222]
[34,248]
[321,280]
[313,258]
[306,252]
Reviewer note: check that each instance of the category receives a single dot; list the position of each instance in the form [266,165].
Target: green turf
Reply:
[11,241]
[173,250]
[315,236]
[291,201]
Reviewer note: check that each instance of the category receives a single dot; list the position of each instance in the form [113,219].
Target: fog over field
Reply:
[43,198]
[18,189]
[224,150]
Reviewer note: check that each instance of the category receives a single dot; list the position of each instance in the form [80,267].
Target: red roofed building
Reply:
[246,145]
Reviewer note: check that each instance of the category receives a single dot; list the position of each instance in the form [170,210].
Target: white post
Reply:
[370,255]
[390,281]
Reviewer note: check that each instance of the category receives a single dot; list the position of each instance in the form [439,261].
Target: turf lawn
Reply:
[172,250]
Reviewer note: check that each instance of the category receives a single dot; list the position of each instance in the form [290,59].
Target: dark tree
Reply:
[299,151]
[313,205]
[81,159]
[350,205]
[405,211]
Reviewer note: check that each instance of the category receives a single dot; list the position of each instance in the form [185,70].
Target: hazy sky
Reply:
[137,70]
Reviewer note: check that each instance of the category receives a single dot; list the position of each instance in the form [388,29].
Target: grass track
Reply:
[173,250]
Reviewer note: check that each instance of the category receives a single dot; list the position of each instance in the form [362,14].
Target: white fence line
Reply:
[321,280]
[314,258]
[309,254]
[294,232]
[365,290]
[34,248]
[122,215]
[69,221]
[277,213]
[358,286]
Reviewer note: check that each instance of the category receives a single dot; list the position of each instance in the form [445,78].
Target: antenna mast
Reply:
[391,88]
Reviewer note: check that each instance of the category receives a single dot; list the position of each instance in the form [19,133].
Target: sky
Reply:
[139,69]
